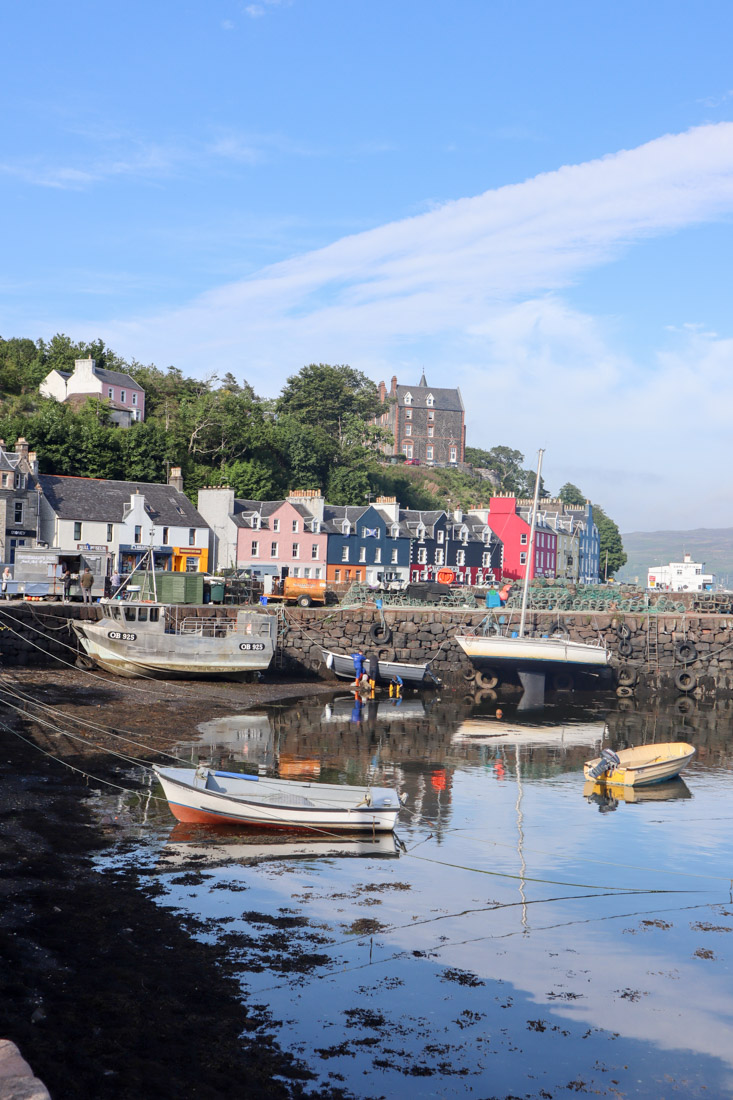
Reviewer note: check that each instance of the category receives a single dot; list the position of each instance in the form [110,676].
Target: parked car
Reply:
[412,462]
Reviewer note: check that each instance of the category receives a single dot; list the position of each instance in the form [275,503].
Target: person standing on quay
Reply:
[86,581]
[66,581]
[7,576]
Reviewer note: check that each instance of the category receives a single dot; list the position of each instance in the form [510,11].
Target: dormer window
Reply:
[408,398]
[346,528]
[394,531]
[421,532]
[430,401]
[256,521]
[315,526]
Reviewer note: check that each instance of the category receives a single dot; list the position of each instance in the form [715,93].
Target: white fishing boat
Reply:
[501,648]
[342,665]
[207,796]
[640,766]
[136,638]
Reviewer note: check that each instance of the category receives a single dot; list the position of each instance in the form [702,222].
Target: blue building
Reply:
[366,544]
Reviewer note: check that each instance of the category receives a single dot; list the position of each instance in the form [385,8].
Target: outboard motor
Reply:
[609,760]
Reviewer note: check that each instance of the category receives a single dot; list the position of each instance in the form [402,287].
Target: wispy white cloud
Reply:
[473,290]
[256,11]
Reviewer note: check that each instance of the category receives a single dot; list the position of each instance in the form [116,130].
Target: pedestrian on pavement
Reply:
[7,576]
[86,580]
[66,581]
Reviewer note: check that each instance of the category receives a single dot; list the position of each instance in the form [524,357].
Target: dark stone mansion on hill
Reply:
[428,424]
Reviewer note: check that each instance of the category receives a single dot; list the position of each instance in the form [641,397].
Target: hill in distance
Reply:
[713,547]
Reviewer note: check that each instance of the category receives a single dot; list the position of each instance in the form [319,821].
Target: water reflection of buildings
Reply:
[244,737]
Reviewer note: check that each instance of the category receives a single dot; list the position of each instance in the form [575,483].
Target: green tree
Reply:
[328,396]
[571,494]
[613,555]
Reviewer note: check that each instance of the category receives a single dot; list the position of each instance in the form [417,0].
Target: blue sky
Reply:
[531,201]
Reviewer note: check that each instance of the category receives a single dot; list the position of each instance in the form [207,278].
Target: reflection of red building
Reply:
[513,528]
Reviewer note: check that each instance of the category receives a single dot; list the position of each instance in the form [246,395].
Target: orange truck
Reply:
[303,591]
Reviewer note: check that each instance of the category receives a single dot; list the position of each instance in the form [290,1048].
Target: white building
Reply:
[680,576]
[124,519]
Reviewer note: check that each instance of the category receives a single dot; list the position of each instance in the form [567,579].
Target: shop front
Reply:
[132,555]
[189,559]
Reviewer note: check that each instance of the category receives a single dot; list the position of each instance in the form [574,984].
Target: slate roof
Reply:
[245,510]
[116,379]
[444,400]
[99,501]
[335,514]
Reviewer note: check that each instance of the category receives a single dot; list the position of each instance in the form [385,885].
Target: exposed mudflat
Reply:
[105,992]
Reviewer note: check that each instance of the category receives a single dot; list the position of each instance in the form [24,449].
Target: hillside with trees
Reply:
[318,433]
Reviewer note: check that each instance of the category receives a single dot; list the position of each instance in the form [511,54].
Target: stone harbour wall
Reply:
[669,654]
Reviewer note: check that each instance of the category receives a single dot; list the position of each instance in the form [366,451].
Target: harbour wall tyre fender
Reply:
[626,704]
[627,676]
[382,635]
[469,677]
[625,648]
[486,680]
[685,653]
[624,691]
[623,632]
[563,681]
[685,681]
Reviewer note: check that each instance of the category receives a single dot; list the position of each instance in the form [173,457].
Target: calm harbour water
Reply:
[529,937]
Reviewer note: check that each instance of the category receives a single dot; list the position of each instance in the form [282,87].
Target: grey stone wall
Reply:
[651,654]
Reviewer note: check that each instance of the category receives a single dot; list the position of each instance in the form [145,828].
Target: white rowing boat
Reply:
[207,796]
[640,766]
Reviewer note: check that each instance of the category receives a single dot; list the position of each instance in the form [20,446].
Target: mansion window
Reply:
[407,450]
[408,429]
[408,398]
[429,453]
[454,454]
[430,401]
[431,431]
[408,414]
[431,415]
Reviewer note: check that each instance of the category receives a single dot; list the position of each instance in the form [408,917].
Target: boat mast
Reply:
[530,549]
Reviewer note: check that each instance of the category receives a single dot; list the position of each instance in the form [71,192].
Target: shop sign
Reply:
[90,546]
[20,532]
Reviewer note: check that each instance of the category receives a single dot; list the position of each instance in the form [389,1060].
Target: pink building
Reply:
[284,537]
[125,398]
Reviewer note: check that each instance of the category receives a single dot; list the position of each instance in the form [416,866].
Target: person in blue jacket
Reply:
[358,659]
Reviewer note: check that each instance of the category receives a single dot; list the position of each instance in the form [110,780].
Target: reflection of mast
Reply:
[520,835]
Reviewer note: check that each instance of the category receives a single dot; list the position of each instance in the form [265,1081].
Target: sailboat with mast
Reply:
[500,648]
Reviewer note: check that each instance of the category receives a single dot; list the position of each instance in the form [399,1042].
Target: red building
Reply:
[512,526]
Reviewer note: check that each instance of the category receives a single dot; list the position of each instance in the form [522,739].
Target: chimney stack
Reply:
[175,479]
[21,446]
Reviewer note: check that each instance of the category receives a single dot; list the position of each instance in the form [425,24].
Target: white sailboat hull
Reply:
[497,650]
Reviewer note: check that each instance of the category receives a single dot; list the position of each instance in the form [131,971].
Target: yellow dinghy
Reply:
[640,766]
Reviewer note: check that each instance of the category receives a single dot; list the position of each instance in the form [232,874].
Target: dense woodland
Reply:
[317,434]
